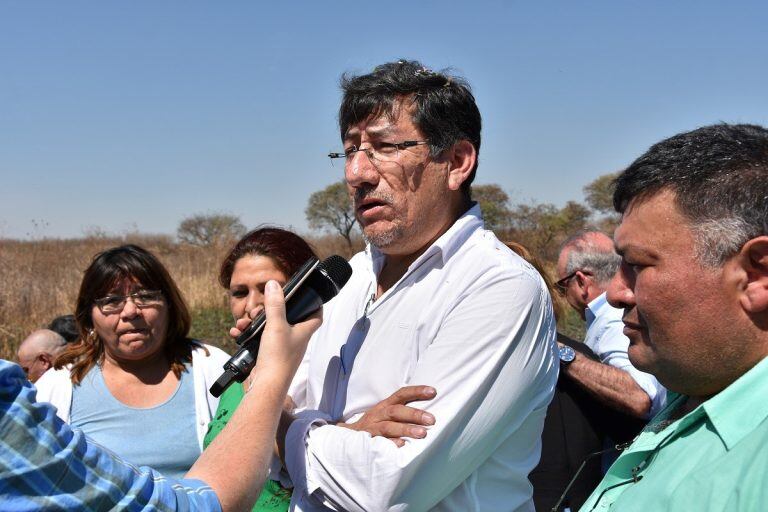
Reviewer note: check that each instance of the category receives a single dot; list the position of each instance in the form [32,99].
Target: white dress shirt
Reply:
[605,336]
[470,318]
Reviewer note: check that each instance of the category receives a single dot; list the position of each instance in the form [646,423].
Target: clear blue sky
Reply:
[132,115]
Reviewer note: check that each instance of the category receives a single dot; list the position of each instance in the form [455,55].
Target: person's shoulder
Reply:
[54,386]
[12,379]
[53,377]
[484,253]
[206,352]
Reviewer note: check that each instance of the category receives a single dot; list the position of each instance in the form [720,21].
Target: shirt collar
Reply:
[739,408]
[594,307]
[446,245]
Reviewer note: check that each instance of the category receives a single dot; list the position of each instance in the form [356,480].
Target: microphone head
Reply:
[330,276]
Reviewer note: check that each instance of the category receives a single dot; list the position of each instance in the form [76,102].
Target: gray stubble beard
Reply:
[384,240]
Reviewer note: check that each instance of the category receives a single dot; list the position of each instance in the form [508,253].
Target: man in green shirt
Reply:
[693,284]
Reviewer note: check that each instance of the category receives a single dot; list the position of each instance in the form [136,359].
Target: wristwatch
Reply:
[567,355]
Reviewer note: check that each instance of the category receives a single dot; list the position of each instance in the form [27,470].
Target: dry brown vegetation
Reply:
[40,280]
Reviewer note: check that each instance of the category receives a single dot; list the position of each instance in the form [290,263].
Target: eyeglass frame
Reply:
[562,284]
[101,302]
[370,151]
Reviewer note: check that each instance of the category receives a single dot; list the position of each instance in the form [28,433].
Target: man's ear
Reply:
[463,157]
[754,263]
[46,359]
[583,282]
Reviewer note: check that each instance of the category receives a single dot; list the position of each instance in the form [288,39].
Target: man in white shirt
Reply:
[434,299]
[38,351]
[586,264]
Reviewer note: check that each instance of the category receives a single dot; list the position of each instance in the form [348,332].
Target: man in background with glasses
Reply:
[435,299]
[585,266]
[38,351]
[693,284]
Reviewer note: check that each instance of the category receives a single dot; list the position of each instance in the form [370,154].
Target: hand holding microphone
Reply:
[284,344]
[312,285]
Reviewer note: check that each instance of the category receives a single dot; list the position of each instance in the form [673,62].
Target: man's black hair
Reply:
[65,326]
[719,175]
[444,107]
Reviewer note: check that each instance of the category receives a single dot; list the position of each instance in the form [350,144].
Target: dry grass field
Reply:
[40,280]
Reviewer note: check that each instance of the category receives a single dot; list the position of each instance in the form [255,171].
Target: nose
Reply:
[620,293]
[359,169]
[130,309]
[253,301]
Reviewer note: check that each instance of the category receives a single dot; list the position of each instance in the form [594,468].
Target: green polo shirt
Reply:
[715,458]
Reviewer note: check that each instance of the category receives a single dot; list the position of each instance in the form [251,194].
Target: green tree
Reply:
[494,203]
[599,193]
[599,196]
[206,229]
[542,227]
[331,209]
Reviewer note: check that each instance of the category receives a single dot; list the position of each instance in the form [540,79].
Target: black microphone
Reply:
[308,289]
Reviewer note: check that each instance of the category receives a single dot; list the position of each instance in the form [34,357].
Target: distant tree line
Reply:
[541,227]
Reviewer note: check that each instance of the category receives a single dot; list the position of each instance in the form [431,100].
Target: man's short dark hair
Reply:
[719,175]
[444,107]
[66,327]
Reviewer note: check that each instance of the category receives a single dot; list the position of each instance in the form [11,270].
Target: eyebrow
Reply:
[375,131]
[636,252]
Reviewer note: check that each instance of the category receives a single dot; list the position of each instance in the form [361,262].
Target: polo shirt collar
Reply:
[594,307]
[736,411]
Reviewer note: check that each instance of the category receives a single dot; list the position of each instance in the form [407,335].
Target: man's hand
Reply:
[392,419]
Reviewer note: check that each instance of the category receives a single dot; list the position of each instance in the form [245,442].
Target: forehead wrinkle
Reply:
[371,130]
[383,121]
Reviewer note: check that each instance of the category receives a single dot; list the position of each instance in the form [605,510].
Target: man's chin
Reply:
[638,355]
[381,238]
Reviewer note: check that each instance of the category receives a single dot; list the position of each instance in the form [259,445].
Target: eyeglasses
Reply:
[141,299]
[619,447]
[378,151]
[562,284]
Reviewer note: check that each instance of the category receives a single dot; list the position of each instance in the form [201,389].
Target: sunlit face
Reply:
[134,333]
[401,205]
[679,315]
[246,287]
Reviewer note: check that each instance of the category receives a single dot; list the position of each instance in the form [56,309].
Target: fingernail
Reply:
[272,286]
[427,418]
[418,432]
[430,391]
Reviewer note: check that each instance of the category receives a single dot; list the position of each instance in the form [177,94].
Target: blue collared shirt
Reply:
[605,336]
[45,465]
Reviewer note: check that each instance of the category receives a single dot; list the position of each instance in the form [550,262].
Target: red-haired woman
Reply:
[261,255]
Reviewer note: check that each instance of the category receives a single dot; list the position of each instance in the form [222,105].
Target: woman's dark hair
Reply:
[107,270]
[288,250]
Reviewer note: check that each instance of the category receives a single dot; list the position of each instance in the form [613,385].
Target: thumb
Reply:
[274,302]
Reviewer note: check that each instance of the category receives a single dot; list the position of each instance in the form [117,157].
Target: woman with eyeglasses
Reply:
[134,382]
[267,253]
